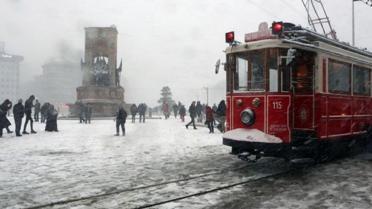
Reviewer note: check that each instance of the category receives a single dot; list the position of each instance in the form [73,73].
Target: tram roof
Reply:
[298,37]
[315,46]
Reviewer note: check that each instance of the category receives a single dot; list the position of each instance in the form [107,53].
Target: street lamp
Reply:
[369,3]
[207,89]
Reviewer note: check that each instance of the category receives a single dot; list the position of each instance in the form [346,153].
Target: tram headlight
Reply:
[247,117]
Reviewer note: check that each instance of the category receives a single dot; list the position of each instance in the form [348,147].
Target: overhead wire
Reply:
[368,2]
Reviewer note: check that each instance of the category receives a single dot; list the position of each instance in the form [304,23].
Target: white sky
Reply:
[162,42]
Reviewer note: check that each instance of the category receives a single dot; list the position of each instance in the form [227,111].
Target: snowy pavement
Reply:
[84,160]
[86,166]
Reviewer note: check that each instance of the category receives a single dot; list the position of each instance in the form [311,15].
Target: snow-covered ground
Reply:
[83,160]
[88,167]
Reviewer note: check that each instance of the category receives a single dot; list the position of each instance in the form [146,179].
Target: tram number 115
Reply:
[277,105]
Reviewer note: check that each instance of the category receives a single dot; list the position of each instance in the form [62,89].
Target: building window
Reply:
[361,84]
[339,77]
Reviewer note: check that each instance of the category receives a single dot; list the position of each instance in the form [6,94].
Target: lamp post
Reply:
[207,89]
[369,3]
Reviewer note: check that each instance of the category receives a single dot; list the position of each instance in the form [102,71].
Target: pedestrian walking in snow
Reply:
[28,112]
[133,112]
[51,120]
[182,112]
[175,110]
[81,112]
[121,117]
[142,112]
[214,108]
[165,109]
[4,122]
[88,113]
[199,110]
[221,116]
[209,118]
[43,112]
[192,112]
[18,113]
[37,110]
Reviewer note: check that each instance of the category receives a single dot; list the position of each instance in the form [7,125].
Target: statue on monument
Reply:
[101,77]
[100,71]
[117,73]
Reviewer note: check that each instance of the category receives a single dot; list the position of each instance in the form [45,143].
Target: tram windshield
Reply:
[250,72]
[263,70]
[255,70]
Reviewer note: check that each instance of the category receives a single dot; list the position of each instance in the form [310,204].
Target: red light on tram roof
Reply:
[230,37]
[277,27]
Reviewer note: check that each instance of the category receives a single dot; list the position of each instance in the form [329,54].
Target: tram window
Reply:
[241,80]
[361,84]
[230,71]
[273,70]
[257,72]
[285,72]
[339,77]
[273,80]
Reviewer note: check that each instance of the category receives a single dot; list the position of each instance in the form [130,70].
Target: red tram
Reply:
[295,94]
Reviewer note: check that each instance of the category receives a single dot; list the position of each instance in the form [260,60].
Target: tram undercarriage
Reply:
[310,151]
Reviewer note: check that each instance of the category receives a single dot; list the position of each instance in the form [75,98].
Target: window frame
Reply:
[354,66]
[330,90]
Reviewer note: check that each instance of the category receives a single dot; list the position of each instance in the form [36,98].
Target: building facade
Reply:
[59,81]
[9,75]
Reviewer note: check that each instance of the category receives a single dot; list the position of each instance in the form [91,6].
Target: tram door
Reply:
[302,87]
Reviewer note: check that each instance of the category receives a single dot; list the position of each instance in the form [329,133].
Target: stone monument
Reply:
[101,77]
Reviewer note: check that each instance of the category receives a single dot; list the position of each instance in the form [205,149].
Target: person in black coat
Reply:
[175,110]
[81,112]
[199,110]
[192,111]
[121,117]
[44,111]
[133,112]
[28,112]
[221,116]
[4,122]
[37,110]
[51,120]
[18,113]
[88,113]
[142,112]
[182,112]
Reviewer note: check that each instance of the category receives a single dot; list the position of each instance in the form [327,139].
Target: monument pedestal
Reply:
[100,88]
[103,100]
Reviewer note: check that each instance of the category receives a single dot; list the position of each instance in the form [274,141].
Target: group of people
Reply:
[85,113]
[178,109]
[213,115]
[121,116]
[141,110]
[20,110]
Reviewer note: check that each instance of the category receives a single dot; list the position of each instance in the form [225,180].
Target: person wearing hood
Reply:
[4,122]
[133,112]
[18,113]
[192,111]
[121,117]
[51,120]
[28,112]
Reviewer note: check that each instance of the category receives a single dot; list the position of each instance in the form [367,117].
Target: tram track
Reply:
[212,190]
[178,189]
[190,177]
